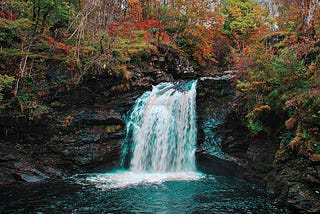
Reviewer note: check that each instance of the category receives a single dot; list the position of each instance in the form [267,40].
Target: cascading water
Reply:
[161,138]
[162,129]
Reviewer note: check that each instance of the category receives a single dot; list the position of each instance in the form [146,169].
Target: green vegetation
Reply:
[50,45]
[6,83]
[280,76]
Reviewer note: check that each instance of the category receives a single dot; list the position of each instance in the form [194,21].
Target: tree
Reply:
[297,15]
[135,10]
[241,20]
[51,12]
[190,25]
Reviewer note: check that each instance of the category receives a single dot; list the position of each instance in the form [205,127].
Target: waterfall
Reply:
[161,139]
[162,130]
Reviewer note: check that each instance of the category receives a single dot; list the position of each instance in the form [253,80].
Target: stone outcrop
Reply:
[295,183]
[77,140]
[227,147]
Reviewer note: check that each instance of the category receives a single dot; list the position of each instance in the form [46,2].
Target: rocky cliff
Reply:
[227,147]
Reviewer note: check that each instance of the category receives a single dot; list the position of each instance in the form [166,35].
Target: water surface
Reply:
[207,194]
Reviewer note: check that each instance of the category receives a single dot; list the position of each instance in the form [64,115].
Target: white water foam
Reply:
[123,178]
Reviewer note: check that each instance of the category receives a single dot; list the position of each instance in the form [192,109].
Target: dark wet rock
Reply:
[175,64]
[90,147]
[77,140]
[222,133]
[292,181]
[302,200]
[84,130]
[220,113]
[155,75]
[29,173]
[213,97]
[100,117]
[212,164]
[17,128]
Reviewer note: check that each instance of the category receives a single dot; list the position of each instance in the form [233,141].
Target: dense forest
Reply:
[273,46]
[71,70]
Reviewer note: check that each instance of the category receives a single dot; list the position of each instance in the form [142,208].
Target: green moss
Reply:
[6,83]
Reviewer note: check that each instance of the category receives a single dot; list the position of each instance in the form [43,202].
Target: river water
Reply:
[208,194]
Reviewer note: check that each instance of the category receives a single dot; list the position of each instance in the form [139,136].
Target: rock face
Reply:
[214,97]
[227,147]
[223,140]
[176,64]
[84,130]
[64,142]
[295,183]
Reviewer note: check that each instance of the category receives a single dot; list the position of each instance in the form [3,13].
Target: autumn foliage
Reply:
[274,47]
[280,69]
[54,45]
[9,16]
[135,10]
